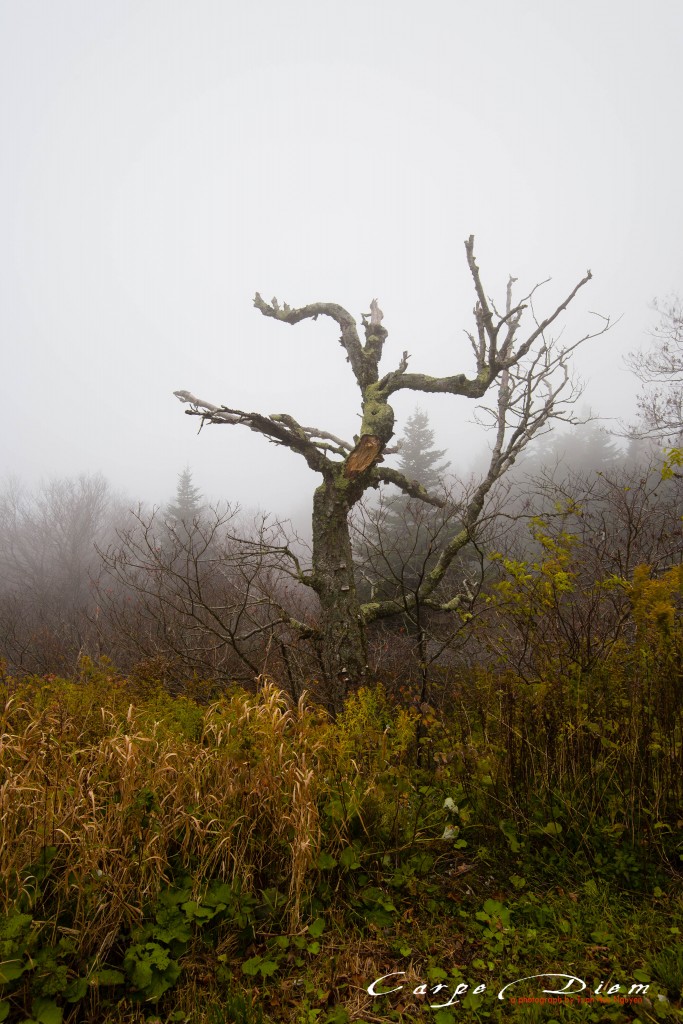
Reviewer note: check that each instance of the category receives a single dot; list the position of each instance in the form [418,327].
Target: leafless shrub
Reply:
[47,561]
[214,595]
[660,369]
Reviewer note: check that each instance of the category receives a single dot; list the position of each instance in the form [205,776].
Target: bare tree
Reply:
[207,595]
[47,560]
[530,380]
[661,371]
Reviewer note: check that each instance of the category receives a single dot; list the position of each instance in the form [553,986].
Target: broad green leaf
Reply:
[250,967]
[107,976]
[11,970]
[349,858]
[553,828]
[76,990]
[46,1012]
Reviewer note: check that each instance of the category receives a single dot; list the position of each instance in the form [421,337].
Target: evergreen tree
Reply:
[590,447]
[407,532]
[419,460]
[187,505]
[586,448]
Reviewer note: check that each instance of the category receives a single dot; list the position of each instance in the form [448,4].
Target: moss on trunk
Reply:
[344,653]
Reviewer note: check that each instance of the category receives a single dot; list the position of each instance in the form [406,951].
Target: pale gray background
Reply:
[162,160]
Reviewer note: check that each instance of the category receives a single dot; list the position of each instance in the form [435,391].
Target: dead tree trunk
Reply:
[342,636]
[532,387]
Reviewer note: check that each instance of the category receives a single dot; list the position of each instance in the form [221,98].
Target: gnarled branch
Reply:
[278,428]
[387,475]
[363,359]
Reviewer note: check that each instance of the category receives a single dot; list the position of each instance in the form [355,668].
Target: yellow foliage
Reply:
[656,602]
[370,724]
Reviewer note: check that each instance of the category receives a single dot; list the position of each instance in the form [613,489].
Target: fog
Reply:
[162,161]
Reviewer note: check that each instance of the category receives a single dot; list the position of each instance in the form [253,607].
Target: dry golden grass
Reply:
[128,802]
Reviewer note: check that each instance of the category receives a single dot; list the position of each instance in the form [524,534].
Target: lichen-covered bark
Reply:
[378,415]
[341,632]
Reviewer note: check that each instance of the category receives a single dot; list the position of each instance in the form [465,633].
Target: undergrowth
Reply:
[253,861]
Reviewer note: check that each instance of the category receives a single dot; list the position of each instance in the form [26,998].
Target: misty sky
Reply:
[163,160]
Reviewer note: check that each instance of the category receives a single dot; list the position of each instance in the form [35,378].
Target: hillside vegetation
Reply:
[243,857]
